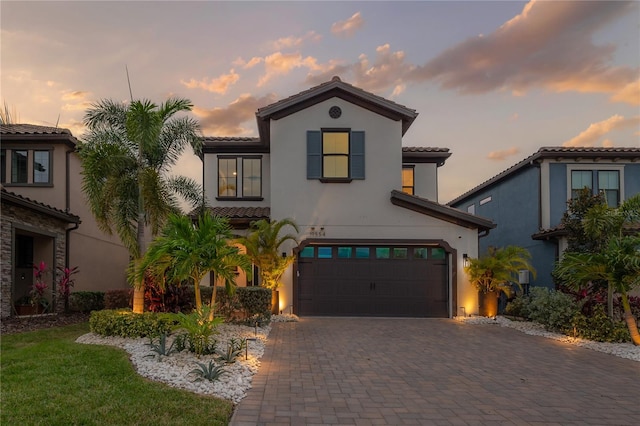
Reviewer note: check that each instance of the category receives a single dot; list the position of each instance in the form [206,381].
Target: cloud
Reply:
[280,63]
[514,117]
[228,121]
[549,45]
[348,27]
[295,42]
[629,94]
[80,106]
[74,95]
[385,72]
[590,136]
[218,85]
[504,154]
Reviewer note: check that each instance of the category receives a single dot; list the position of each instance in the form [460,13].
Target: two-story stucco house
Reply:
[373,240]
[527,200]
[45,216]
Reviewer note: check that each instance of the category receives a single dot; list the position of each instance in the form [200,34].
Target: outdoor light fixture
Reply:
[465,260]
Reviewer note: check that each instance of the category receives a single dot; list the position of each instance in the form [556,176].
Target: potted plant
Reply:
[494,272]
[263,248]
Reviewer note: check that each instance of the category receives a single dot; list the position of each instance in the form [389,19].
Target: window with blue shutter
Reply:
[335,155]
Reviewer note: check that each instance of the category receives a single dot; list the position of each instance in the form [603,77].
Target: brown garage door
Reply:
[349,280]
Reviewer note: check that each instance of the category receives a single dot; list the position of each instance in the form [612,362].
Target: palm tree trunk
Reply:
[138,289]
[610,300]
[213,302]
[631,321]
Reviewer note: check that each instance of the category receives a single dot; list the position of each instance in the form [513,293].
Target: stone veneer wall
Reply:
[33,221]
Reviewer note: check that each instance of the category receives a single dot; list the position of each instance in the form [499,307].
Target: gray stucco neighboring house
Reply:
[527,200]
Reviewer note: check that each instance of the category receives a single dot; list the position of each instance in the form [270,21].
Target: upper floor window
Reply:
[247,169]
[335,155]
[19,166]
[604,181]
[41,167]
[227,177]
[3,165]
[408,179]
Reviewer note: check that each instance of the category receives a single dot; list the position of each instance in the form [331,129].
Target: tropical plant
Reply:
[199,329]
[8,115]
[184,251]
[65,283]
[499,268]
[234,349]
[210,371]
[263,248]
[40,286]
[161,349]
[126,157]
[618,261]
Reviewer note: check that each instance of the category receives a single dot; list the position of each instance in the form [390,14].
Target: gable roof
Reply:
[35,133]
[239,217]
[233,145]
[440,211]
[19,200]
[555,153]
[327,90]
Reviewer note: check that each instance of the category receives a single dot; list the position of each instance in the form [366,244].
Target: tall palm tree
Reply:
[126,157]
[184,251]
[617,262]
[263,248]
[495,271]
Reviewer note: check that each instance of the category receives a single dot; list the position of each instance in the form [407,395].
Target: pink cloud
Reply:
[295,42]
[550,45]
[228,121]
[590,136]
[280,63]
[503,154]
[348,27]
[215,85]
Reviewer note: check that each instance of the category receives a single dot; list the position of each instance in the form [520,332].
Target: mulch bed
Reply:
[22,324]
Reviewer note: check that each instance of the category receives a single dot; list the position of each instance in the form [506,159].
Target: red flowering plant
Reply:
[40,286]
[65,282]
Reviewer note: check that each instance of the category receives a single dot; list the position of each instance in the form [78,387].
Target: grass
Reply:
[48,379]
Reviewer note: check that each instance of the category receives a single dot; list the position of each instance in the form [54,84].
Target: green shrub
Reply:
[553,309]
[86,301]
[118,299]
[255,301]
[600,327]
[519,307]
[125,323]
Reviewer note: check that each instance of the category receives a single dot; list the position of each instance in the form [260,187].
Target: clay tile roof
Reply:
[241,212]
[31,129]
[219,139]
[423,149]
[13,198]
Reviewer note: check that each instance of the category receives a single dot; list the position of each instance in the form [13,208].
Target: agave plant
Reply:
[209,371]
[161,348]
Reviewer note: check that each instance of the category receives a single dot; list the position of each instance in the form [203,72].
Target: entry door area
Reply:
[374,280]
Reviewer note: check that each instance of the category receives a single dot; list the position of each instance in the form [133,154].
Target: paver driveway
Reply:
[433,371]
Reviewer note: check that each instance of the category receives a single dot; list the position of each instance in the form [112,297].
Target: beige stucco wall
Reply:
[425,177]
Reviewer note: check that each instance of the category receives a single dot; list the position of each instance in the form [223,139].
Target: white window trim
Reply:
[599,167]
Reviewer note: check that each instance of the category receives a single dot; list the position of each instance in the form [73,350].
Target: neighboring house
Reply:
[45,216]
[527,201]
[331,159]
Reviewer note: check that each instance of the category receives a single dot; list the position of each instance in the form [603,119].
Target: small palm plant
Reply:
[495,272]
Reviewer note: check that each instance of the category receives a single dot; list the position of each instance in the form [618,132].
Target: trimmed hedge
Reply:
[124,323]
[118,299]
[86,301]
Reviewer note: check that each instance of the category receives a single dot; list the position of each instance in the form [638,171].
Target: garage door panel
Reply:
[394,286]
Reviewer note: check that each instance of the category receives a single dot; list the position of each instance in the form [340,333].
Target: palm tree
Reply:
[495,272]
[126,157]
[184,251]
[263,248]
[617,262]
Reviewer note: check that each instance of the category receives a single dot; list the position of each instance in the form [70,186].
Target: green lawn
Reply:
[47,379]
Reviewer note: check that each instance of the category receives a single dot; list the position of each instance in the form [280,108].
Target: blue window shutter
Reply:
[356,150]
[314,154]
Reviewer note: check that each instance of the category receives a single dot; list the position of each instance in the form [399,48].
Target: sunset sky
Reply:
[492,81]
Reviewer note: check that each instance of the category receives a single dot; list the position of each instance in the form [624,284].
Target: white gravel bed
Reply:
[174,370]
[622,350]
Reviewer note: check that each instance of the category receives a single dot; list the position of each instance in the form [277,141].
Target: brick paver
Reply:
[370,371]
